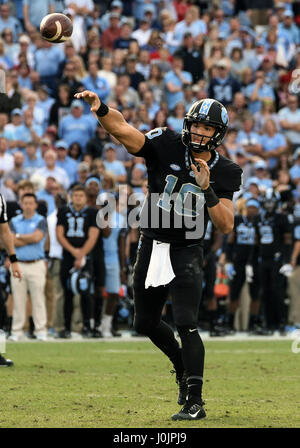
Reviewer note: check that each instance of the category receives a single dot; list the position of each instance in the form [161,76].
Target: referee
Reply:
[7,242]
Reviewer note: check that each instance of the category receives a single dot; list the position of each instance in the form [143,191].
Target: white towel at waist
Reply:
[160,271]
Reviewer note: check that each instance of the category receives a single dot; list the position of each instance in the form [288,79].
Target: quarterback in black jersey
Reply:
[188,181]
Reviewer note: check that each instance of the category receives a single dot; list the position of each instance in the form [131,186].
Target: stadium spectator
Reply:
[174,81]
[54,291]
[52,170]
[64,161]
[6,159]
[111,164]
[114,257]
[273,143]
[143,32]
[223,86]
[35,10]
[8,22]
[289,117]
[93,80]
[30,231]
[69,77]
[112,33]
[175,121]
[48,59]
[106,71]
[76,127]
[17,173]
[248,139]
[192,57]
[61,106]
[33,160]
[49,193]
[191,23]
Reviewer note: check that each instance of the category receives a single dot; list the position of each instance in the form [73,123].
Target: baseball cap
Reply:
[116,4]
[252,203]
[259,43]
[83,166]
[46,141]
[44,88]
[25,39]
[288,13]
[109,146]
[240,152]
[260,165]
[61,144]
[16,112]
[114,15]
[149,8]
[252,180]
[280,6]
[76,103]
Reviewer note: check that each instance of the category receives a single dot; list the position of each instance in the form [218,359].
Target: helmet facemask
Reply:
[212,143]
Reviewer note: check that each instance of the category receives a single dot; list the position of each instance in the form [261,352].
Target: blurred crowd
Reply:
[150,60]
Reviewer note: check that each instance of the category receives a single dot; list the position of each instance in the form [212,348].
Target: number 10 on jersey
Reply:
[183,205]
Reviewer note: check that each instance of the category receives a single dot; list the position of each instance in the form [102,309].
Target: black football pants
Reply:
[85,300]
[239,279]
[272,292]
[185,290]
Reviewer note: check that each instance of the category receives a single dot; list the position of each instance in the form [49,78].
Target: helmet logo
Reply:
[224,116]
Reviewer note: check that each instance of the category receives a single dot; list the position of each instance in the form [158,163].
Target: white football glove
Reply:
[249,273]
[286,270]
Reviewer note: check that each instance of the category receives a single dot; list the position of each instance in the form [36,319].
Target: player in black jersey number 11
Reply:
[188,182]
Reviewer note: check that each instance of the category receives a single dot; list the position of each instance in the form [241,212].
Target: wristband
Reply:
[211,198]
[103,110]
[13,258]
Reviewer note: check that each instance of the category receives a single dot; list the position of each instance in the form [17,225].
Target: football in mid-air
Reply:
[56,28]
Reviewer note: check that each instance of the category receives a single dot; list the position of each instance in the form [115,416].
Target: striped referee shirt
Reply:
[3,211]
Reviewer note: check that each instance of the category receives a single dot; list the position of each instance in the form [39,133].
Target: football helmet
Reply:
[270,201]
[80,281]
[210,112]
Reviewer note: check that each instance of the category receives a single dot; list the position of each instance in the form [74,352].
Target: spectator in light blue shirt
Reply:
[48,60]
[96,83]
[27,131]
[66,162]
[8,21]
[273,143]
[76,127]
[35,10]
[111,164]
[175,80]
[191,24]
[289,27]
[175,121]
[258,90]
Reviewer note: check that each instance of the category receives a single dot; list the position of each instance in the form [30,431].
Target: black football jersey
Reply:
[245,237]
[76,224]
[270,232]
[174,210]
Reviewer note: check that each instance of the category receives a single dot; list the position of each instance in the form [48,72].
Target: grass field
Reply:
[248,384]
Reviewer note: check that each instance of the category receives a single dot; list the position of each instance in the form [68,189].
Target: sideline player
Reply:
[188,181]
[7,242]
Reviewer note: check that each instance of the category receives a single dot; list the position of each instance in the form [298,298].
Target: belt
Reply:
[30,261]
